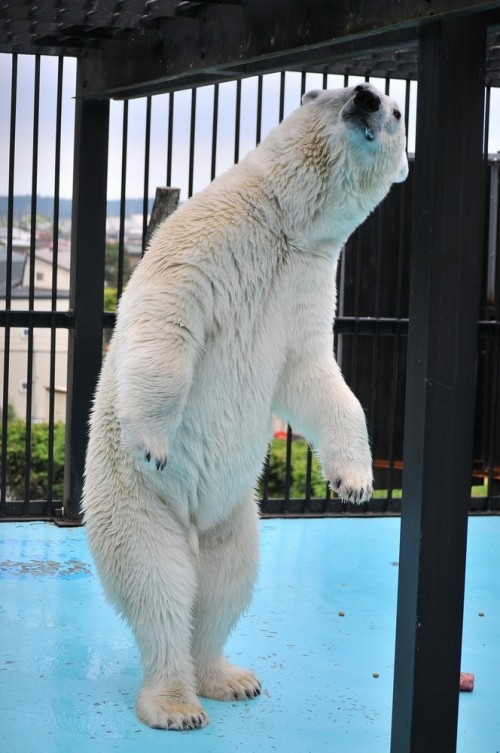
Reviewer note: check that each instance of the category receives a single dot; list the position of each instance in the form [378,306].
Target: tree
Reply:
[112,263]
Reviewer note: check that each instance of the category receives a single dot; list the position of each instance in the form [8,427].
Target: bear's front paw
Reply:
[160,463]
[352,481]
[150,447]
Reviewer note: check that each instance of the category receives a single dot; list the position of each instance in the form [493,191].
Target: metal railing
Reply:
[185,139]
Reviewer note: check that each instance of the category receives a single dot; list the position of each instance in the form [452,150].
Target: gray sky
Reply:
[136,136]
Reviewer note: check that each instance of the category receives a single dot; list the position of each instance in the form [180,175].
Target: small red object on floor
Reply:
[466,682]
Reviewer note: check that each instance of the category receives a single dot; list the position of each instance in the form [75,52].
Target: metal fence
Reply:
[185,139]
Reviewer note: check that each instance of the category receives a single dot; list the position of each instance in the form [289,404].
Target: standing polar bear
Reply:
[227,320]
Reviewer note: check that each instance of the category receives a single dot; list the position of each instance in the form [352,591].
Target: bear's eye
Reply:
[359,88]
[396,114]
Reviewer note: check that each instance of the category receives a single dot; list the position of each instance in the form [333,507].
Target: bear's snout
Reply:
[367,101]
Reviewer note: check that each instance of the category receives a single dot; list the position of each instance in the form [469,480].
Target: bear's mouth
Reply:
[362,122]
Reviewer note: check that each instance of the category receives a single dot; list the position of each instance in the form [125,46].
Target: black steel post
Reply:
[447,256]
[88,245]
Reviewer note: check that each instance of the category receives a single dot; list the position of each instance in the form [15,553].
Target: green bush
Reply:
[298,471]
[39,460]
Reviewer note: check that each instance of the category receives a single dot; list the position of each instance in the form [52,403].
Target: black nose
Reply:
[367,100]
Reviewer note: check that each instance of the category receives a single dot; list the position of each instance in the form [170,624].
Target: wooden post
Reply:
[165,204]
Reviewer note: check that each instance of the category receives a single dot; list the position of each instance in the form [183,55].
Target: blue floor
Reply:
[320,634]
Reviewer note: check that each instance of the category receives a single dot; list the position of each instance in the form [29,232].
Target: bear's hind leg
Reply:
[149,569]
[228,558]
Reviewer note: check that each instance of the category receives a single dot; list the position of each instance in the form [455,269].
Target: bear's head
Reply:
[368,122]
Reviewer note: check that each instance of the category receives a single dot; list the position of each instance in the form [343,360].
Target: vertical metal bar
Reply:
[192,135]
[493,411]
[302,84]
[376,337]
[215,129]
[264,502]
[147,150]
[444,304]
[123,201]
[282,96]
[170,136]
[357,299]
[398,313]
[258,132]
[88,246]
[487,114]
[55,255]
[237,122]
[492,232]
[31,288]
[308,490]
[288,469]
[8,281]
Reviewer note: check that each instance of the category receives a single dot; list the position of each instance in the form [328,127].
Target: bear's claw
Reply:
[350,494]
[160,463]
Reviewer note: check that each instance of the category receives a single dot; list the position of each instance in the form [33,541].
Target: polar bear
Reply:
[226,320]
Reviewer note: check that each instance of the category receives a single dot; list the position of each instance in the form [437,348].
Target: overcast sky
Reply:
[159,128]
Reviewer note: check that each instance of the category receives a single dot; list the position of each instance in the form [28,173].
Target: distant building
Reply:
[43,349]
[44,259]
[19,238]
[17,261]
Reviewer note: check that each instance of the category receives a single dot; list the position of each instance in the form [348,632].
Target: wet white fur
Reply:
[227,319]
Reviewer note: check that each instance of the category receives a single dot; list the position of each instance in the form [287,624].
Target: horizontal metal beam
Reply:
[344,325]
[254,37]
[33,318]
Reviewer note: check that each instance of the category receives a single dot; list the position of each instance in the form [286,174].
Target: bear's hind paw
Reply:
[170,710]
[226,682]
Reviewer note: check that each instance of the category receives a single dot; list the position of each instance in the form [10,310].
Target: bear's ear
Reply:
[309,96]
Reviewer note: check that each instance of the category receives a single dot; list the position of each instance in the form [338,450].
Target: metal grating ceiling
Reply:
[111,32]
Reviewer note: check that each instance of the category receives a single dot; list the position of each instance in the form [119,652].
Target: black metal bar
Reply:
[493,409]
[302,84]
[281,113]
[265,482]
[23,318]
[31,286]
[192,135]
[215,128]
[8,284]
[392,419]
[170,136]
[258,132]
[123,202]
[145,196]
[87,284]
[372,424]
[237,122]
[398,311]
[487,110]
[55,255]
[308,492]
[288,465]
[444,306]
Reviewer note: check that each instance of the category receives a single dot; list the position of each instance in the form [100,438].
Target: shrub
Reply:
[39,460]
[297,471]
